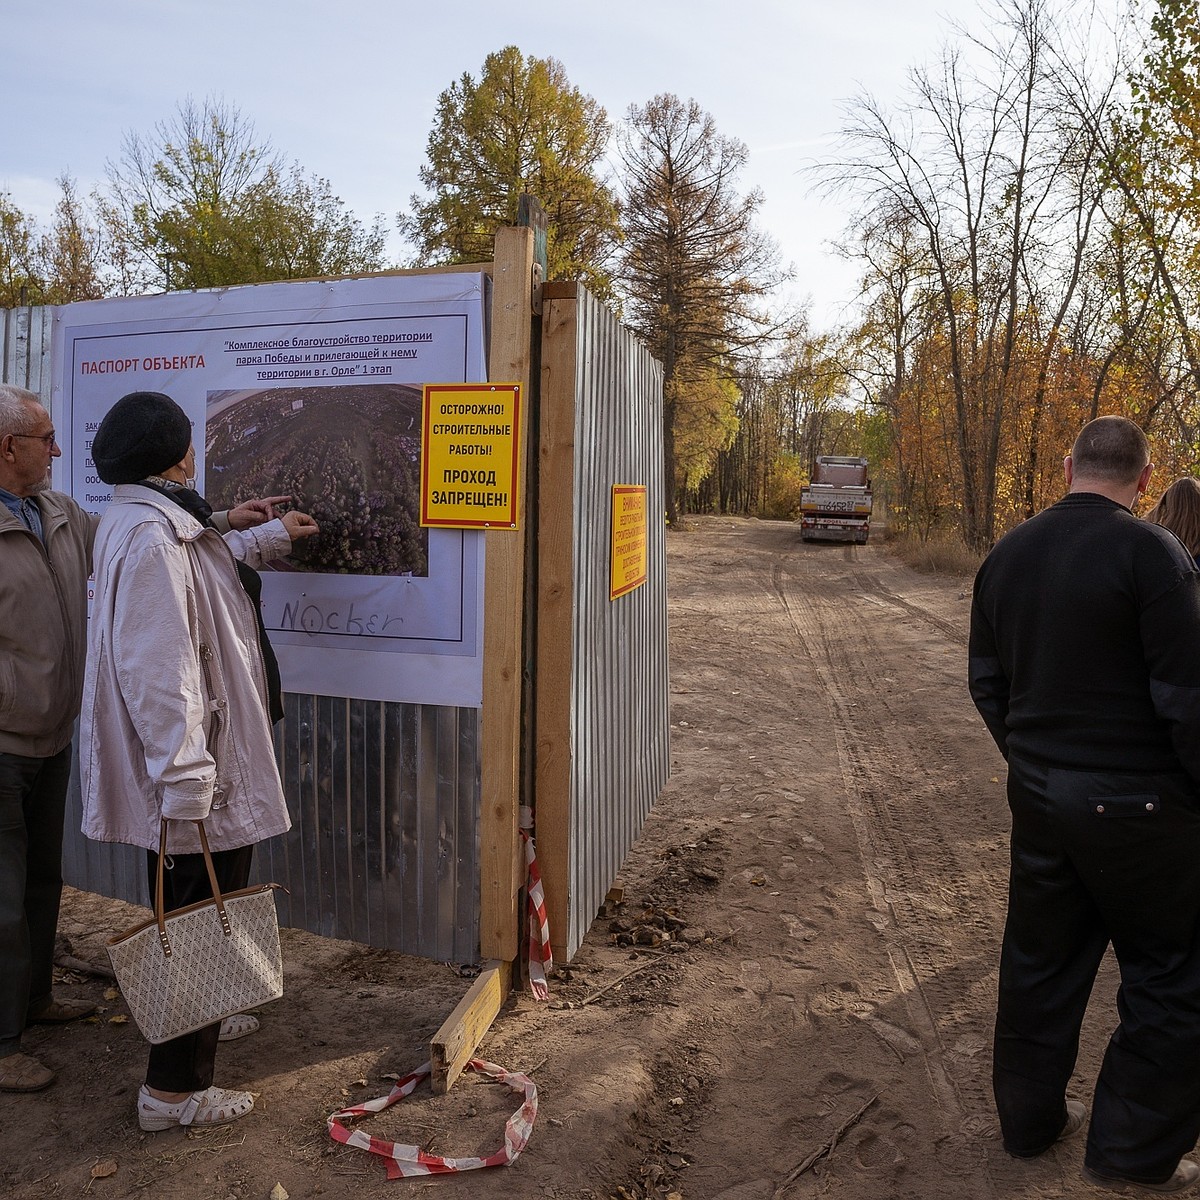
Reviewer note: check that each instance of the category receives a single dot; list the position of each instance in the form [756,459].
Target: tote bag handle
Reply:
[160,916]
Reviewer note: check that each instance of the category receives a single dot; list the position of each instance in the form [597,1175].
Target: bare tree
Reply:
[982,165]
[1147,150]
[899,316]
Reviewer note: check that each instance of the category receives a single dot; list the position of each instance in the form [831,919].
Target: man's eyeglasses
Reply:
[50,439]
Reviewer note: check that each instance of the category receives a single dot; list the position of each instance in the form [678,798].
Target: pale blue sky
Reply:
[349,88]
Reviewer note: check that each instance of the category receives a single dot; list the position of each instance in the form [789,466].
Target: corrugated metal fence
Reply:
[25,341]
[383,847]
[602,682]
[384,798]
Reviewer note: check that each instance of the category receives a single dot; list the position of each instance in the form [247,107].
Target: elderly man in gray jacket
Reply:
[45,560]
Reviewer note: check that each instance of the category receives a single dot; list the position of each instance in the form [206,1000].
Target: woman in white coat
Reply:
[175,709]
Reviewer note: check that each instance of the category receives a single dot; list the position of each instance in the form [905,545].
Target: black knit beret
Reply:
[144,433]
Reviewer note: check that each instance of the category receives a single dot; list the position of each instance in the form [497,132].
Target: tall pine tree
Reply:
[521,127]
[694,266]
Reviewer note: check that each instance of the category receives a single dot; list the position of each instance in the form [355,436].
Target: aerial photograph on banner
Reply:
[349,455]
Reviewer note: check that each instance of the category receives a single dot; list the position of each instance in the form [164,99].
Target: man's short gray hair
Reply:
[15,416]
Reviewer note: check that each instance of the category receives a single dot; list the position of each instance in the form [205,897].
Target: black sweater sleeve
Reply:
[988,683]
[1171,640]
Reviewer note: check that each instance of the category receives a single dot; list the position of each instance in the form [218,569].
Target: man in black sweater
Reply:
[1085,665]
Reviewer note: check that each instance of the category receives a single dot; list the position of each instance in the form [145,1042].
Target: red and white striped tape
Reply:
[540,958]
[403,1161]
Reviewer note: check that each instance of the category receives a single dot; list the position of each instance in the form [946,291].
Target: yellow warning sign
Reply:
[470,455]
[628,564]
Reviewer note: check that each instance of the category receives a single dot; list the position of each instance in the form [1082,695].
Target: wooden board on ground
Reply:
[455,1043]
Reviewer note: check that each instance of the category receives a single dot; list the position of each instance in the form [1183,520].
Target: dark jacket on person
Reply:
[1085,642]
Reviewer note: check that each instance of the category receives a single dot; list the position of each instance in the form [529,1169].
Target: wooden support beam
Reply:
[441,269]
[553,761]
[500,864]
[484,268]
[455,1043]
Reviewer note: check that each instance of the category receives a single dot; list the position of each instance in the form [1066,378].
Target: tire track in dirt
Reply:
[853,667]
[873,588]
[937,909]
[823,695]
[808,981]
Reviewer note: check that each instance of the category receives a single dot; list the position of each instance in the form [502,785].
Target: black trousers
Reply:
[1099,858]
[33,795]
[185,1064]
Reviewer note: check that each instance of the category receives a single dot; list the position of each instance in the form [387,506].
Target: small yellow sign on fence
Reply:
[628,564]
[470,455]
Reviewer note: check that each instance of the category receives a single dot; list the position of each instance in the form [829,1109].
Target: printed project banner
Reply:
[311,390]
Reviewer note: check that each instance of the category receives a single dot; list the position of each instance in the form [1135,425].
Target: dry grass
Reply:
[941,554]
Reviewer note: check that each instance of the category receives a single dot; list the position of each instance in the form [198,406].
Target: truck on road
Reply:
[836,505]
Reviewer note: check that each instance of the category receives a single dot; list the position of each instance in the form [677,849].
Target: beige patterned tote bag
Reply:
[191,967]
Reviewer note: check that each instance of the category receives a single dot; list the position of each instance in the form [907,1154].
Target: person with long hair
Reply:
[1178,509]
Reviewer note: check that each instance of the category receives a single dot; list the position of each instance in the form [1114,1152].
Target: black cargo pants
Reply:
[1099,858]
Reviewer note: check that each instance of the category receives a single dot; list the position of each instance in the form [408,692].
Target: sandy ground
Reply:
[793,1000]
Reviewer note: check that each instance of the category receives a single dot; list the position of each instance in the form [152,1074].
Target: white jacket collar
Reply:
[186,527]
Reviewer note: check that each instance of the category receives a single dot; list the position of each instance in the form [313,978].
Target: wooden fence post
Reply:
[504,583]
[556,600]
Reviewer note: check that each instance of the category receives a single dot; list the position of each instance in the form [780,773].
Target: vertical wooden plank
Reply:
[554,695]
[500,741]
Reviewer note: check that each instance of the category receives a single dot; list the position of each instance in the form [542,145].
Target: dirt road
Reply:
[793,1000]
